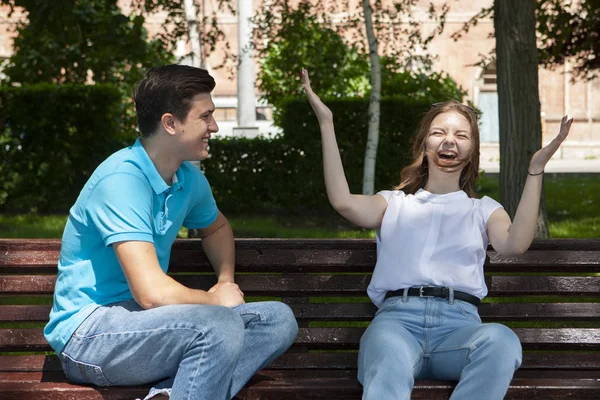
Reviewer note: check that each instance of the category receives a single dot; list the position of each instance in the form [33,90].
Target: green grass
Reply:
[32,226]
[572,201]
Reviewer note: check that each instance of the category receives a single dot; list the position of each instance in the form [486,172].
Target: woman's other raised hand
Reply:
[543,155]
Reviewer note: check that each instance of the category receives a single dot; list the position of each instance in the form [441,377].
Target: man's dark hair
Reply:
[168,89]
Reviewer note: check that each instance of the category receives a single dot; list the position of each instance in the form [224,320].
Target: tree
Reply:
[191,16]
[374,102]
[196,21]
[390,21]
[565,30]
[78,41]
[288,39]
[518,101]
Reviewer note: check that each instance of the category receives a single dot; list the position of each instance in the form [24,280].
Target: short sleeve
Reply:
[204,210]
[120,207]
[488,206]
[388,194]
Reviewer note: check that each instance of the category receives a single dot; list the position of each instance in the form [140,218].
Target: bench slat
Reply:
[343,285]
[366,311]
[340,338]
[590,244]
[310,255]
[342,360]
[295,386]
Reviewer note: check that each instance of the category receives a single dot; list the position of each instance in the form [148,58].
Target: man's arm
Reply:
[219,247]
[151,287]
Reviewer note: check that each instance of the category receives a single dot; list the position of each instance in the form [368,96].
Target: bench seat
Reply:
[550,297]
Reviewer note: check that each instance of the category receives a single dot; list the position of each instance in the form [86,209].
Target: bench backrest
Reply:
[549,295]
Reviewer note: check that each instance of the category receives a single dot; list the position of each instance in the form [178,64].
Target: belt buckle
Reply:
[424,287]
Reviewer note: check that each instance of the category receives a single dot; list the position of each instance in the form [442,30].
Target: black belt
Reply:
[435,291]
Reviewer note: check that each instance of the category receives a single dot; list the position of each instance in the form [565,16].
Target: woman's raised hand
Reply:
[543,155]
[323,113]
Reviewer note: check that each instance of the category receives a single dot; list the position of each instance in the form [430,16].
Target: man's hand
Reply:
[228,294]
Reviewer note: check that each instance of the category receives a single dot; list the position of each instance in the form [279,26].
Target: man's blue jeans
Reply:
[196,351]
[433,338]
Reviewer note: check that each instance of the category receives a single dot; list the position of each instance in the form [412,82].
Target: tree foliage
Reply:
[176,27]
[568,29]
[80,41]
[288,38]
[565,30]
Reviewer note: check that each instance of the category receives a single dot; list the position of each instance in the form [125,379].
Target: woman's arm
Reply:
[515,238]
[364,211]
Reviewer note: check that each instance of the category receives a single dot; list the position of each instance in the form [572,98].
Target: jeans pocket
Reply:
[388,303]
[468,310]
[81,372]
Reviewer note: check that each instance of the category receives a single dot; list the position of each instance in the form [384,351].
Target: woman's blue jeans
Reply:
[193,351]
[433,338]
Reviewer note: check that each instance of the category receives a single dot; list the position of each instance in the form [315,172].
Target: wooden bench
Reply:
[324,281]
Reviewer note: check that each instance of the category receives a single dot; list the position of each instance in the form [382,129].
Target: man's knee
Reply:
[224,334]
[284,327]
[503,343]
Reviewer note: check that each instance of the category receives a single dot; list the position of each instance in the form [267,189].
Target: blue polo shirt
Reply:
[124,199]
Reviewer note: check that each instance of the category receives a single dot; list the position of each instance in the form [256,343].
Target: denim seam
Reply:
[465,313]
[136,332]
[261,318]
[445,349]
[80,364]
[414,364]
[196,371]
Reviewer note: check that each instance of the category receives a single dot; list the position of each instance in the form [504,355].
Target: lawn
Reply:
[572,201]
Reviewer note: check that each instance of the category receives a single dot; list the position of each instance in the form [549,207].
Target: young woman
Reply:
[432,235]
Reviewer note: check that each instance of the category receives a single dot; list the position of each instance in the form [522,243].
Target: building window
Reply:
[225,114]
[487,102]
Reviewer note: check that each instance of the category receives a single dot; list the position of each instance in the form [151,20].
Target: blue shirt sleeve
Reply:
[204,210]
[120,207]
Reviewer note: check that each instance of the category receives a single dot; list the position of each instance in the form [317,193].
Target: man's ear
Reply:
[168,123]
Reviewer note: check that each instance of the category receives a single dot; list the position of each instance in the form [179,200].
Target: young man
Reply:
[118,318]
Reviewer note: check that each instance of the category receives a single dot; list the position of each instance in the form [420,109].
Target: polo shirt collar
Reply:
[156,181]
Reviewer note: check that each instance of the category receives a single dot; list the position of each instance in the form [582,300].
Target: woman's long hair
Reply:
[414,176]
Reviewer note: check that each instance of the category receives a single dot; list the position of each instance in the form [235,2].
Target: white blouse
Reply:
[431,239]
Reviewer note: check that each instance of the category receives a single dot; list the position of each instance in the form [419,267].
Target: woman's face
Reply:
[449,141]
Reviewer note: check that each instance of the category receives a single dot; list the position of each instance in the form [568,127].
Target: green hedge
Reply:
[53,137]
[286,174]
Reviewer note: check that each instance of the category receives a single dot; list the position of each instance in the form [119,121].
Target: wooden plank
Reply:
[322,285]
[311,255]
[12,339]
[543,285]
[292,385]
[563,361]
[24,313]
[365,312]
[487,311]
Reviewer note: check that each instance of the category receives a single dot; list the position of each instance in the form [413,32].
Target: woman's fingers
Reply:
[542,156]
[305,79]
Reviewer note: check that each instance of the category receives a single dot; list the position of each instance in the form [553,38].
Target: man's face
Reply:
[195,132]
